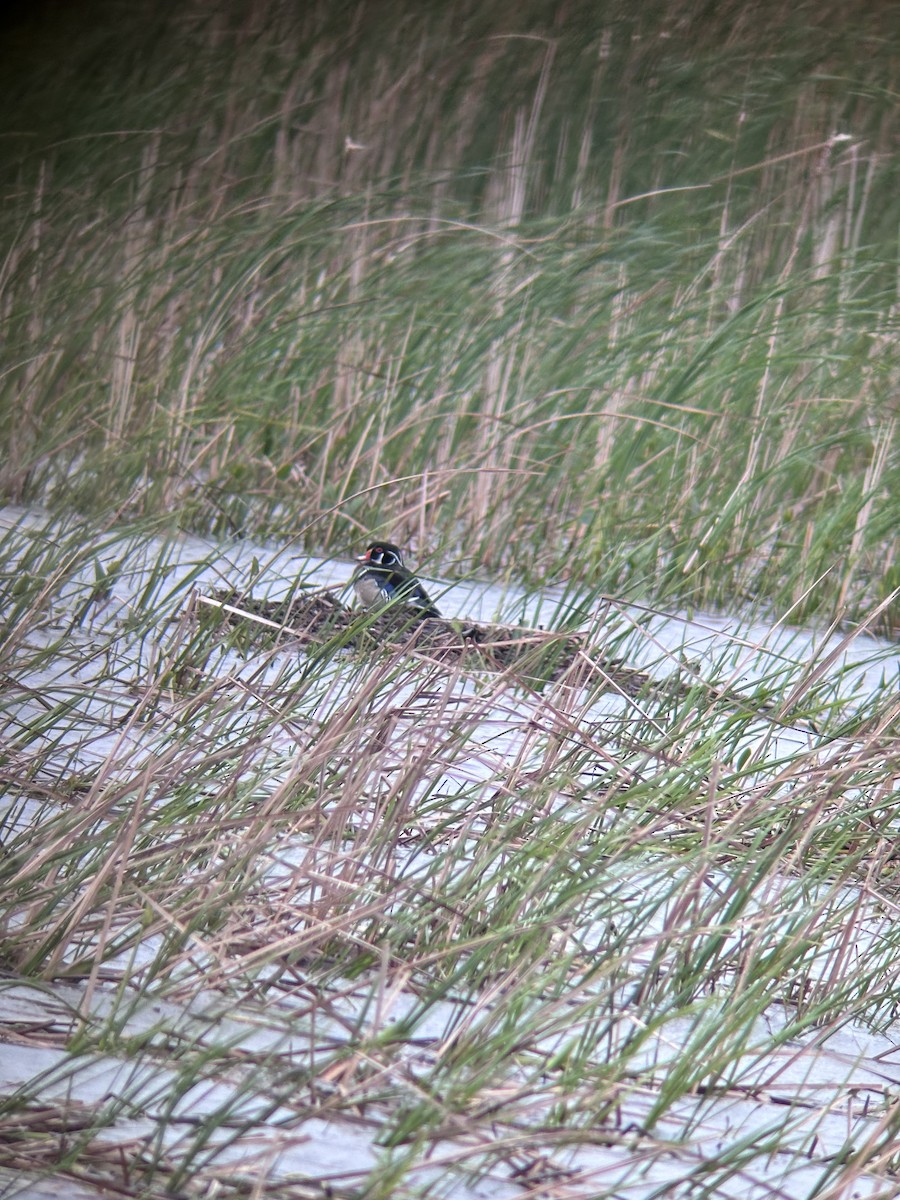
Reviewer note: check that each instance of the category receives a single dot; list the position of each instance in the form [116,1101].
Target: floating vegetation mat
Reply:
[534,657]
[318,618]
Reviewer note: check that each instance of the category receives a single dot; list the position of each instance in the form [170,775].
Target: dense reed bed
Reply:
[595,296]
[592,303]
[293,917]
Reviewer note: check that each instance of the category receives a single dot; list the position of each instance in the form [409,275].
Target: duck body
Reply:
[381,579]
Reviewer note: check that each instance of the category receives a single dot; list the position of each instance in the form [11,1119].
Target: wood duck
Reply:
[381,577]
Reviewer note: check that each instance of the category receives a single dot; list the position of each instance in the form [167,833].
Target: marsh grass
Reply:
[612,301]
[604,300]
[496,929]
